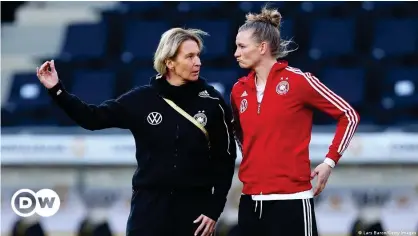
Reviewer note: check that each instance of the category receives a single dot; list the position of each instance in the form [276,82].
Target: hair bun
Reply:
[270,16]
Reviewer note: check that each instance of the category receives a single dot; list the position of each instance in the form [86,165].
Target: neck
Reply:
[175,80]
[262,71]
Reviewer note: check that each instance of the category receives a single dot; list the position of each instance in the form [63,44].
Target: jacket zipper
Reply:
[258,108]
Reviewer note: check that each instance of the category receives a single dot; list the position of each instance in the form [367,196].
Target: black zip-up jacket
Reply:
[171,152]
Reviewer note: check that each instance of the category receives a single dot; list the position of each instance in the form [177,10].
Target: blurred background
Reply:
[367,52]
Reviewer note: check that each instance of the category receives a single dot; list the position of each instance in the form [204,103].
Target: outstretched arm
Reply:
[110,114]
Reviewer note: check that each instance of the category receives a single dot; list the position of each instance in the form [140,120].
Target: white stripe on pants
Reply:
[307,215]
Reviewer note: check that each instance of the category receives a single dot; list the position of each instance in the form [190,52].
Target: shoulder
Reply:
[238,88]
[136,93]
[299,74]
[213,94]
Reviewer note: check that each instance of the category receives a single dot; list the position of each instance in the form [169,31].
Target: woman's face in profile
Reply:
[187,62]
[247,53]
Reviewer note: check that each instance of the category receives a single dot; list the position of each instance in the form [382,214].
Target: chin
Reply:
[244,66]
[193,78]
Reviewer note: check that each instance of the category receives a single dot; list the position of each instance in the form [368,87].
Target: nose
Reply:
[197,61]
[236,54]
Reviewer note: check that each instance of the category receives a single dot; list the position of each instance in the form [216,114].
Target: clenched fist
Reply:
[47,74]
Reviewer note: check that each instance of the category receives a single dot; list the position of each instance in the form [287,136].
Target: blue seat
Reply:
[216,45]
[396,37]
[141,6]
[85,41]
[319,6]
[380,5]
[221,79]
[142,76]
[402,87]
[94,87]
[348,83]
[27,93]
[255,6]
[189,6]
[28,103]
[141,38]
[286,29]
[332,37]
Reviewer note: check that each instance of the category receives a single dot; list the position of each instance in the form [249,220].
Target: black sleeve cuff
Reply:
[57,90]
[212,210]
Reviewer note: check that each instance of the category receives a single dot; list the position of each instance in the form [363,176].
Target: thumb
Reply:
[52,65]
[313,174]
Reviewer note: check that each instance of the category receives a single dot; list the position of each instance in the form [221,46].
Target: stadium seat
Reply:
[27,92]
[28,103]
[395,37]
[332,37]
[216,45]
[141,39]
[348,83]
[190,6]
[85,40]
[319,6]
[402,87]
[141,6]
[142,76]
[255,6]
[380,5]
[286,29]
[221,79]
[94,87]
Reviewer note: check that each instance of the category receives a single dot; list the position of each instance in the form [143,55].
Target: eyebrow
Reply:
[192,53]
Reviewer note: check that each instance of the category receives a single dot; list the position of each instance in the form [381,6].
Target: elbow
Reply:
[356,117]
[350,116]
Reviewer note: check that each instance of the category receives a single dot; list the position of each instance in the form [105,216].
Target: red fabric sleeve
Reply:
[321,97]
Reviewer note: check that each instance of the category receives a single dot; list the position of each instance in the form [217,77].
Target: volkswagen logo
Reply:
[154,118]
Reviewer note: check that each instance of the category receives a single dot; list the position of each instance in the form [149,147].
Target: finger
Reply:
[198,219]
[44,66]
[313,174]
[206,231]
[37,71]
[318,186]
[212,229]
[319,189]
[52,64]
[201,226]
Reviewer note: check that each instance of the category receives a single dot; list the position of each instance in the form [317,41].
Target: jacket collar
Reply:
[249,80]
[186,91]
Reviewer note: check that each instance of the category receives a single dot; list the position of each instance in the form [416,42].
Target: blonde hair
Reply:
[266,26]
[170,42]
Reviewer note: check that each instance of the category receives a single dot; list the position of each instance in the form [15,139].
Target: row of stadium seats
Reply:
[138,39]
[302,7]
[369,59]
[397,86]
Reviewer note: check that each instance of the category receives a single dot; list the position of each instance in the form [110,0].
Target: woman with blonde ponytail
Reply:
[272,108]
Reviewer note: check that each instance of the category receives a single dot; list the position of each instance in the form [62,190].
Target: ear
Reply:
[170,64]
[263,48]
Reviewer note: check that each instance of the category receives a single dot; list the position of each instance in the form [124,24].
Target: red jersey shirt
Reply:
[274,135]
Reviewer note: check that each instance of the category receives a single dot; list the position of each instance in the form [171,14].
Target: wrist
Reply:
[329,162]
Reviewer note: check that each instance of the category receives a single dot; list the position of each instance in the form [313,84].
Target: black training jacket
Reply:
[171,152]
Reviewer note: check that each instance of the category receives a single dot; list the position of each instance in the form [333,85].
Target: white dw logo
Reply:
[154,118]
[26,202]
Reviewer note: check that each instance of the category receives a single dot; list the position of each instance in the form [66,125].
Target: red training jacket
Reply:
[274,136]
